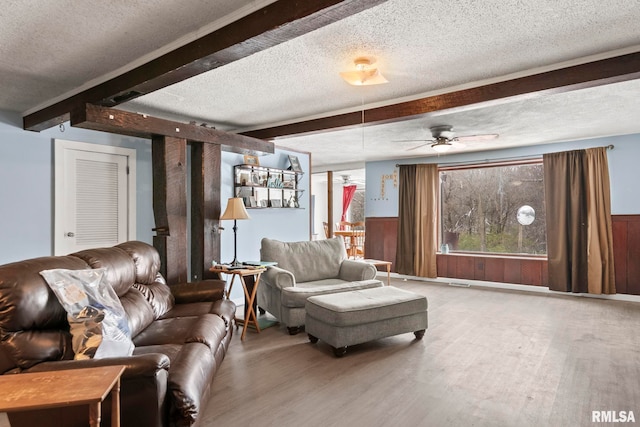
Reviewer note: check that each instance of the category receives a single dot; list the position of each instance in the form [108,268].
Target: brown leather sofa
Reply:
[181,334]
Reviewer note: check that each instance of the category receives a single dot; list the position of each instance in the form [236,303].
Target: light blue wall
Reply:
[26,185]
[26,193]
[280,224]
[624,172]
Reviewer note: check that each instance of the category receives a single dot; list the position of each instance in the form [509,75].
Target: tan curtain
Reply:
[426,216]
[579,231]
[417,220]
[599,229]
[565,187]
[405,250]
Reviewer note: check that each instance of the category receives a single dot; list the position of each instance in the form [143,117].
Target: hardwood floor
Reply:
[489,358]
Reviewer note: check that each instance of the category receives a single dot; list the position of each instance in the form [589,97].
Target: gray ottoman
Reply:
[354,317]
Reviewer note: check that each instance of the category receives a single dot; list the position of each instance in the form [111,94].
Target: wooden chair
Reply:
[359,239]
[345,226]
[326,229]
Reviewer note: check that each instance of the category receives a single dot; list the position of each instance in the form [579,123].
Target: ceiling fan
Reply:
[443,139]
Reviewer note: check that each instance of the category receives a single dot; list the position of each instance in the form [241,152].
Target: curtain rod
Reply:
[533,156]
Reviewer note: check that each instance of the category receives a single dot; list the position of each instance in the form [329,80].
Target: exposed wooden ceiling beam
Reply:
[276,23]
[597,73]
[110,120]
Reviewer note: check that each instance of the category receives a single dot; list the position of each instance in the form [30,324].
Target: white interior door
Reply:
[94,196]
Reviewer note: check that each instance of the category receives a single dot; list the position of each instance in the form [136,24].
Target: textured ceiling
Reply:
[421,47]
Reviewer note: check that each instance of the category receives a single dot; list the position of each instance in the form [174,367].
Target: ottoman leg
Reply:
[293,330]
[339,351]
[419,334]
[312,339]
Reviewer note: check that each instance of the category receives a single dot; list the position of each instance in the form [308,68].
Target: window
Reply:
[495,209]
[356,208]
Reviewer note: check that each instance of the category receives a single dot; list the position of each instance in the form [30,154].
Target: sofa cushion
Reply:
[120,270]
[26,301]
[28,348]
[191,309]
[138,310]
[296,296]
[33,323]
[145,258]
[158,295]
[208,329]
[308,261]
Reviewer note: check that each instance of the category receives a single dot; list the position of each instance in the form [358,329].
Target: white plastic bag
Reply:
[98,321]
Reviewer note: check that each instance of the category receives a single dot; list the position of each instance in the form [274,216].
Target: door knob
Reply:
[70,234]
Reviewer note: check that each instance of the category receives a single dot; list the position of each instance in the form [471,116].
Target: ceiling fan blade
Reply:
[485,137]
[419,146]
[413,140]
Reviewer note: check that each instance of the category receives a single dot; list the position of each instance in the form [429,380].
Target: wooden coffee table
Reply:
[71,387]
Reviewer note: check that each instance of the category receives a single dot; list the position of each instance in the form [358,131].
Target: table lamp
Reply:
[235,211]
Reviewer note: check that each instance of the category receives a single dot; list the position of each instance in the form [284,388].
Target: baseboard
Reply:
[513,286]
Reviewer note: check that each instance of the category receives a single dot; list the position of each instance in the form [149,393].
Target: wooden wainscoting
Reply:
[626,253]
[381,244]
[380,239]
[491,268]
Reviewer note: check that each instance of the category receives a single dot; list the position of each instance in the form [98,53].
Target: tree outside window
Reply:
[356,208]
[495,209]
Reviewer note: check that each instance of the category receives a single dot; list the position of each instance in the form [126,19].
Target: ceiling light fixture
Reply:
[363,76]
[441,147]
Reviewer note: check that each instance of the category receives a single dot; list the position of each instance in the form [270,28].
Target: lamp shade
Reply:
[235,209]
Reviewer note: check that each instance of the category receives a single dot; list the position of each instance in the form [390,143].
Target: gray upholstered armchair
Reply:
[305,269]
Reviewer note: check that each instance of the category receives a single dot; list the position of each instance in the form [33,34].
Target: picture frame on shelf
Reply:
[264,203]
[253,202]
[276,203]
[255,179]
[244,178]
[295,163]
[251,160]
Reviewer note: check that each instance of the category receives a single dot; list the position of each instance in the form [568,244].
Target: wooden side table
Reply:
[249,296]
[380,263]
[71,387]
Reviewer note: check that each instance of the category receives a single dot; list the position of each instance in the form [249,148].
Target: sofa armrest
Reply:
[352,271]
[202,291]
[278,277]
[141,365]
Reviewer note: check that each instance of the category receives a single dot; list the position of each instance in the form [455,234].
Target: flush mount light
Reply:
[363,75]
